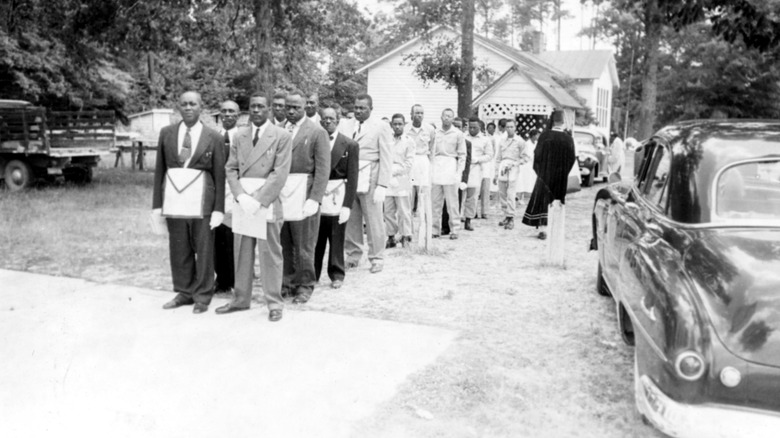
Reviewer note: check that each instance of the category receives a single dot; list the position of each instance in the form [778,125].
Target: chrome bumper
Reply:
[701,421]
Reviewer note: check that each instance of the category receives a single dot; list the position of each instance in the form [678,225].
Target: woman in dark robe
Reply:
[553,159]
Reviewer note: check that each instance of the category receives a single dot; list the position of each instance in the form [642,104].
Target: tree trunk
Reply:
[467,59]
[647,107]
[264,22]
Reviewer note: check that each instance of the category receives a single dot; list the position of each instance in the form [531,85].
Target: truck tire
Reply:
[18,175]
[588,180]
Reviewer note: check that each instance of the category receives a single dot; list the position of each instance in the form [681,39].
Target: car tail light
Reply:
[730,377]
[689,365]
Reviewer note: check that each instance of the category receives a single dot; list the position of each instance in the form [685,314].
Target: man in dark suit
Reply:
[190,144]
[344,164]
[310,157]
[260,150]
[223,235]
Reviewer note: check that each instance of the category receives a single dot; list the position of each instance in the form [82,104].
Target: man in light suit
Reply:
[260,150]
[192,145]
[344,163]
[449,162]
[223,235]
[310,157]
[312,108]
[374,137]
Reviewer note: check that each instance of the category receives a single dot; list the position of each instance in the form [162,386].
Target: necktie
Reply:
[360,125]
[331,138]
[257,134]
[290,127]
[186,148]
[227,139]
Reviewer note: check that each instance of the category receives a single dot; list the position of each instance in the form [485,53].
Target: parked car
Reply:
[591,154]
[690,252]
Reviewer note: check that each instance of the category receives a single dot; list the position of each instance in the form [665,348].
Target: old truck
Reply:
[36,143]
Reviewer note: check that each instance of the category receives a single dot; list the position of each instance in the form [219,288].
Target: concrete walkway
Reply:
[95,360]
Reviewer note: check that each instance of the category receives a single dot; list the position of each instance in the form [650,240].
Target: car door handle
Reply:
[649,311]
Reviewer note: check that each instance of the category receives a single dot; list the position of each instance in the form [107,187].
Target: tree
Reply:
[467,58]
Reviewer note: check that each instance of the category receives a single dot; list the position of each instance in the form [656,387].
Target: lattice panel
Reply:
[527,122]
[510,110]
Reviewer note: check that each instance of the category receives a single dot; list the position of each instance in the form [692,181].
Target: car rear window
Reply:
[749,191]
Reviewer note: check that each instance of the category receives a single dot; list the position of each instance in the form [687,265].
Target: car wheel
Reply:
[625,326]
[601,285]
[18,175]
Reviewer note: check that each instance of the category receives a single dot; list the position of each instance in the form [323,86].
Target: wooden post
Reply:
[132,155]
[141,155]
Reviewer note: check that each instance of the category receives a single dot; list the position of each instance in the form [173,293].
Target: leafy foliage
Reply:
[438,60]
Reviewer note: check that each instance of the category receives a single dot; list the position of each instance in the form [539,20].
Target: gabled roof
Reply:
[558,96]
[511,54]
[582,64]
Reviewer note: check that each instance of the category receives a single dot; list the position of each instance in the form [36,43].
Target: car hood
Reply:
[737,273]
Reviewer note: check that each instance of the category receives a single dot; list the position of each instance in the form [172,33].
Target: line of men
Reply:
[376,168]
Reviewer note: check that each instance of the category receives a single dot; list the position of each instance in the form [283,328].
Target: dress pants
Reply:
[398,215]
[484,196]
[470,205]
[223,257]
[271,262]
[191,246]
[440,194]
[365,209]
[445,216]
[332,234]
[506,194]
[298,241]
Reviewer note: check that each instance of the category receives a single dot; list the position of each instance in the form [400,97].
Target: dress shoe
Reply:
[453,236]
[405,240]
[376,267]
[176,302]
[503,222]
[468,226]
[336,284]
[229,308]
[275,315]
[352,265]
[200,308]
[542,235]
[484,216]
[435,236]
[302,298]
[510,223]
[391,243]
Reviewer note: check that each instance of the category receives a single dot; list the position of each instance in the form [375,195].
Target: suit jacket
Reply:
[403,157]
[344,164]
[311,155]
[269,159]
[208,155]
[375,138]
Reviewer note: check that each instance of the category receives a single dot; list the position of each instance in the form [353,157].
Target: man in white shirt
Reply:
[449,161]
[481,154]
[422,135]
[223,235]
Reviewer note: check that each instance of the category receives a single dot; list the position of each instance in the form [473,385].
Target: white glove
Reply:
[216,219]
[344,215]
[310,207]
[248,203]
[462,186]
[379,195]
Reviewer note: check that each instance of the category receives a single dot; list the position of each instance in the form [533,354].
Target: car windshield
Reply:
[583,138]
[749,191]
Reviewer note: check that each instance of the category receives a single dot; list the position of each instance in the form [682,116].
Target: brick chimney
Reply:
[538,42]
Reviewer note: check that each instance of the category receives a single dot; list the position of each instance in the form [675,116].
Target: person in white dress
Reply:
[527,177]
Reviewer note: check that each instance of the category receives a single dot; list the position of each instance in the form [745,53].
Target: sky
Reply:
[569,27]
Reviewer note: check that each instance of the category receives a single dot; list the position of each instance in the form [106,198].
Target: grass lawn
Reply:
[537,354]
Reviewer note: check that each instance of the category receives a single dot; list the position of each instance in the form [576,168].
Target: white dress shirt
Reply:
[195,131]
